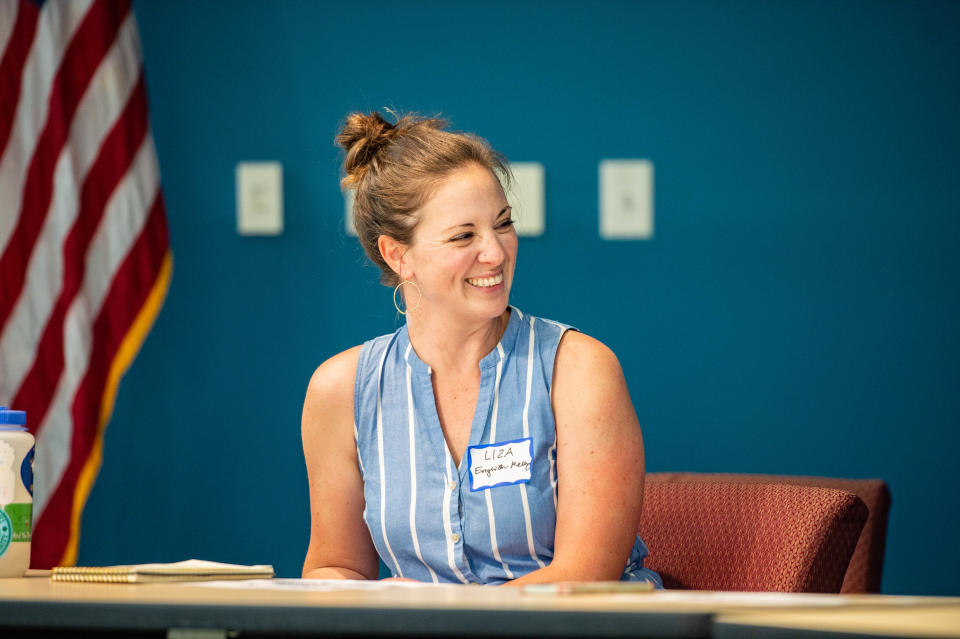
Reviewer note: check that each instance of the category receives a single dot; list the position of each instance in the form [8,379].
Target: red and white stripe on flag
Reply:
[85,259]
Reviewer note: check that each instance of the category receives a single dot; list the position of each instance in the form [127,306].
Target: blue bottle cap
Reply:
[12,417]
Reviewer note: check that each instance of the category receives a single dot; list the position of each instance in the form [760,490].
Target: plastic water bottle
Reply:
[16,492]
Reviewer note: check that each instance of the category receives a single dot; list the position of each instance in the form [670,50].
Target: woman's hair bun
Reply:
[362,137]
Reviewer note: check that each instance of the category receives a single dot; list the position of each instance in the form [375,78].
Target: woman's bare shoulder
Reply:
[330,392]
[336,372]
[579,355]
[587,377]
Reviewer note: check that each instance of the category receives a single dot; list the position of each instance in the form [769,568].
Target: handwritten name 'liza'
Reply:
[497,453]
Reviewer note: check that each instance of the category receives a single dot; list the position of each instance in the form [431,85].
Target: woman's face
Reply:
[464,248]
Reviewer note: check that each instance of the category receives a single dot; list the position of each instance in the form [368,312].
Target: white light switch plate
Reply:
[626,199]
[526,198]
[259,198]
[348,196]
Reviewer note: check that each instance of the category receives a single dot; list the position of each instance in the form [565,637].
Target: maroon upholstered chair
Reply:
[865,572]
[750,536]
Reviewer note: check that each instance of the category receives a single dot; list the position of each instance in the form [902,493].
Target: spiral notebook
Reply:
[190,570]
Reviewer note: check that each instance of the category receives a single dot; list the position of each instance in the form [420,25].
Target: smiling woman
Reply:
[476,444]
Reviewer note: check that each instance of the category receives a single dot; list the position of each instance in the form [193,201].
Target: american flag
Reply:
[85,259]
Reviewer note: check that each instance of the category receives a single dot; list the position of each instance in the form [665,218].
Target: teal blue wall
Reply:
[796,311]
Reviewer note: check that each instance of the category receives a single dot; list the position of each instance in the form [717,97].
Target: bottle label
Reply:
[20,515]
[14,524]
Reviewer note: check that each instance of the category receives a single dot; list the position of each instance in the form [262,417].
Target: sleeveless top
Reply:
[492,518]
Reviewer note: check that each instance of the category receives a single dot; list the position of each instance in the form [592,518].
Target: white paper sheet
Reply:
[318,585]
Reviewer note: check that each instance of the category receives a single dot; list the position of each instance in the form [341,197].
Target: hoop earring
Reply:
[419,299]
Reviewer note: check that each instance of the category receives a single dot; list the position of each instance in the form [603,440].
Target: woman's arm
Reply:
[599,465]
[340,544]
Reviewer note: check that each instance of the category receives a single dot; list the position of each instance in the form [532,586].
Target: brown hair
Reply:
[395,168]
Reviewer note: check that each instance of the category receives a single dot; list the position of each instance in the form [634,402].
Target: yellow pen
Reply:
[588,587]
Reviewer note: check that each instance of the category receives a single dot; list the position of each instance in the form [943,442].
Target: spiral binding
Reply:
[113,575]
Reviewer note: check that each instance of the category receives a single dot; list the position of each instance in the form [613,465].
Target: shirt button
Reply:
[453,486]
[454,537]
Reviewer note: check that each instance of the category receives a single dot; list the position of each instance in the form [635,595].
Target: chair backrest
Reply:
[750,536]
[865,572]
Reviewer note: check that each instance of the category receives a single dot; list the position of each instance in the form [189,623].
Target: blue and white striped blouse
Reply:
[491,519]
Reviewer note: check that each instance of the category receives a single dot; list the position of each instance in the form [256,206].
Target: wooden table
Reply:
[34,604]
[919,621]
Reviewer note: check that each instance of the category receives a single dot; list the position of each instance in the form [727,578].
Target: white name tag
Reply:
[500,464]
